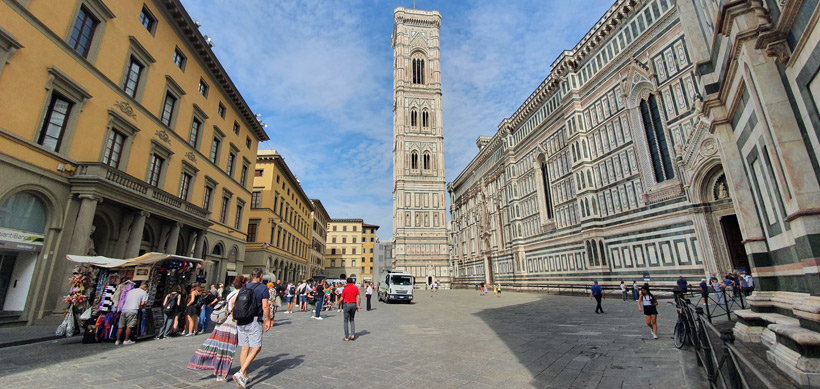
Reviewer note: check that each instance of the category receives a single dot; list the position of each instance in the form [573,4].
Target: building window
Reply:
[231,161]
[148,20]
[193,138]
[207,196]
[248,142]
[414,160]
[185,185]
[83,32]
[545,180]
[223,213]
[425,119]
[256,199]
[59,109]
[132,79]
[155,169]
[243,179]
[221,111]
[426,161]
[113,148]
[179,59]
[252,228]
[214,157]
[238,221]
[656,139]
[168,109]
[414,118]
[235,127]
[353,251]
[258,173]
[203,88]
[418,71]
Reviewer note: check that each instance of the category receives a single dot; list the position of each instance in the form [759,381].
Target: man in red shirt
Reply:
[351,303]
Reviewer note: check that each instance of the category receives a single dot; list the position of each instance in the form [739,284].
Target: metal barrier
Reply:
[731,368]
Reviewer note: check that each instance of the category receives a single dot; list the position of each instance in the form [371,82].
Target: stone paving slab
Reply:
[447,339]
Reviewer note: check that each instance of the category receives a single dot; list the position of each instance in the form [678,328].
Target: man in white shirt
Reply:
[750,284]
[135,299]
[368,292]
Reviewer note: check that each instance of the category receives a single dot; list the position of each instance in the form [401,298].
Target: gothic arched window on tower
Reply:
[426,161]
[414,118]
[656,139]
[418,71]
[425,119]
[414,160]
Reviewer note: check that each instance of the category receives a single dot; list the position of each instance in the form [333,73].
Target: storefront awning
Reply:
[152,258]
[145,259]
[97,261]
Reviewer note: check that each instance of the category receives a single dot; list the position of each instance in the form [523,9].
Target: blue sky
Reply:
[320,73]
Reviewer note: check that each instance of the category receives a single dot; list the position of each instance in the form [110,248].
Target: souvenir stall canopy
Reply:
[115,277]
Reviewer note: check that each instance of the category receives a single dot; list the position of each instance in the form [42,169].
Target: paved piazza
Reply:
[447,339]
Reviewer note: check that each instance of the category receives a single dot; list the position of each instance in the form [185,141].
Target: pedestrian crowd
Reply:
[248,311]
[484,289]
[732,287]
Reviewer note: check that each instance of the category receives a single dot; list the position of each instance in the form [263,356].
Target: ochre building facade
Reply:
[120,133]
[280,228]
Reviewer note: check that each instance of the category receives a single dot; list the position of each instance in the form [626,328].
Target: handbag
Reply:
[220,313]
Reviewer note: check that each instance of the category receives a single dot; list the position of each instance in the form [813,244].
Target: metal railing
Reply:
[728,369]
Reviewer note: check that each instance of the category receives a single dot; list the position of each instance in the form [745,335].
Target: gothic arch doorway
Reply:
[734,243]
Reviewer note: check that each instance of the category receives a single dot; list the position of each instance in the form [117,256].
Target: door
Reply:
[6,268]
[734,239]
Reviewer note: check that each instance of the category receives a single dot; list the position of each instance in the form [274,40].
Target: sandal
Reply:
[346,339]
[352,338]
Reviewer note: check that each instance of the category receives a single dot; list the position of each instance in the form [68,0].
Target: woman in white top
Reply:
[216,353]
[623,290]
[649,306]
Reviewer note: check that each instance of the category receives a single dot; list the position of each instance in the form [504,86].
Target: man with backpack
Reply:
[251,312]
[290,294]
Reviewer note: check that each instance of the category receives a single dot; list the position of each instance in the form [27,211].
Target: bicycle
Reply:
[685,327]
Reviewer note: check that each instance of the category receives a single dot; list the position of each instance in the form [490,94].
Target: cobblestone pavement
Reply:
[447,339]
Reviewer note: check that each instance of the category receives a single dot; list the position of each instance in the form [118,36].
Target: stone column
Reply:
[200,245]
[135,237]
[83,225]
[122,242]
[173,238]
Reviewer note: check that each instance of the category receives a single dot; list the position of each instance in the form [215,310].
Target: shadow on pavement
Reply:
[273,365]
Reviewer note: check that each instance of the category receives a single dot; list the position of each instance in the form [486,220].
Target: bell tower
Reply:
[419,198]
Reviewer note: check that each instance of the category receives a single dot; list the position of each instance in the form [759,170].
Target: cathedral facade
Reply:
[419,199]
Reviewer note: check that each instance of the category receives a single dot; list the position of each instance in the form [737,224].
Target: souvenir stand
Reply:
[161,272]
[113,278]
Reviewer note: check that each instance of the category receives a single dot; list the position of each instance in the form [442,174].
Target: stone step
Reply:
[762,318]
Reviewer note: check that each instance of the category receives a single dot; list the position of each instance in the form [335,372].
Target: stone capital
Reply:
[98,199]
[144,214]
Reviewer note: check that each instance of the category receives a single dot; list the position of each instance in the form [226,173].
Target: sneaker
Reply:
[188,334]
[117,343]
[127,342]
[240,380]
[654,336]
[220,378]
[319,318]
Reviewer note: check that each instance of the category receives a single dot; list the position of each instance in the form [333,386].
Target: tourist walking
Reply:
[634,290]
[597,293]
[251,312]
[319,294]
[169,311]
[368,292]
[290,294]
[192,308]
[750,284]
[216,353]
[481,289]
[351,303]
[718,291]
[498,290]
[649,306]
[209,299]
[623,290]
[134,299]
[302,290]
[704,290]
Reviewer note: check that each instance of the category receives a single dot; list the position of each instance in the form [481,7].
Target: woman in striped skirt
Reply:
[216,353]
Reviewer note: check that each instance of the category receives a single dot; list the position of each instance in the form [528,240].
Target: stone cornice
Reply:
[416,17]
[189,31]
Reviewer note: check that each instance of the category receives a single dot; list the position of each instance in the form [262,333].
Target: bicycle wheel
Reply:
[680,334]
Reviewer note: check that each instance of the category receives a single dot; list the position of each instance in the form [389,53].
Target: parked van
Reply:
[395,286]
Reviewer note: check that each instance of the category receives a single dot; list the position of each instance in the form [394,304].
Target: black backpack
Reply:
[171,305]
[244,306]
[292,290]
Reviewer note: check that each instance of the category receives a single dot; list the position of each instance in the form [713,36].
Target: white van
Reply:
[394,286]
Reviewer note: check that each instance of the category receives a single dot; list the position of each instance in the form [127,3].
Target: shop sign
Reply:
[231,266]
[20,240]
